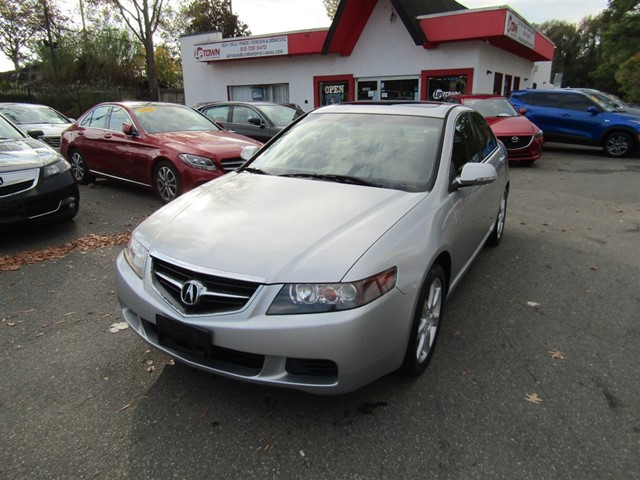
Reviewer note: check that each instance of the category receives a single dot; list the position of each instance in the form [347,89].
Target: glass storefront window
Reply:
[441,87]
[388,89]
[275,92]
[333,92]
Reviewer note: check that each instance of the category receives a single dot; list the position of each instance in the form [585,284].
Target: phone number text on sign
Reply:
[249,48]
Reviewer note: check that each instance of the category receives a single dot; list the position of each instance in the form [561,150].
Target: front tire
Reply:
[617,144]
[166,182]
[426,323]
[498,229]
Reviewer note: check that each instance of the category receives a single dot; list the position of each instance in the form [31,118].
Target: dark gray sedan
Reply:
[258,120]
[35,181]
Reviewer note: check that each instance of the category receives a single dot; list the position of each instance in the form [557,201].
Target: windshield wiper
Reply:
[257,171]
[333,178]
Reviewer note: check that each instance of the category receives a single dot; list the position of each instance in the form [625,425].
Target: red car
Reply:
[165,146]
[522,138]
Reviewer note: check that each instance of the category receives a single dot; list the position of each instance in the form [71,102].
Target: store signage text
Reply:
[520,31]
[334,89]
[246,48]
[439,94]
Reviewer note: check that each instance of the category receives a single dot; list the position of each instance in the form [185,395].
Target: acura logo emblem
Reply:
[190,292]
[514,139]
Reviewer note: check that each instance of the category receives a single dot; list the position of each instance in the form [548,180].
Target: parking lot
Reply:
[535,375]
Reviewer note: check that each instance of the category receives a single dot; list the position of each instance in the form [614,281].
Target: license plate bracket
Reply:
[182,337]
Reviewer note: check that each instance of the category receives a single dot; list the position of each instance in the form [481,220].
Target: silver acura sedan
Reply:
[324,262]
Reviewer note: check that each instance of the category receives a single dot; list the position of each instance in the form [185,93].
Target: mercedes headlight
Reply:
[196,161]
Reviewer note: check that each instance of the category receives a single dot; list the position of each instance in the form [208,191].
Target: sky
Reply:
[276,16]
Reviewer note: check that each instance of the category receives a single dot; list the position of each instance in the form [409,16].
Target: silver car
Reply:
[31,117]
[324,262]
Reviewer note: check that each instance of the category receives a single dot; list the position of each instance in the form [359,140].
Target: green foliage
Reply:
[211,15]
[331,6]
[602,52]
[20,20]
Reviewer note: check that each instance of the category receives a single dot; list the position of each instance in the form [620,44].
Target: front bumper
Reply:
[52,199]
[329,353]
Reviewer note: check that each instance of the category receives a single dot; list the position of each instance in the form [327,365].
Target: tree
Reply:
[18,25]
[211,15]
[620,45]
[143,18]
[332,7]
[567,40]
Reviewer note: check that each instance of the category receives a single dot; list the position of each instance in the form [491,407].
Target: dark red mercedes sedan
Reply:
[165,146]
[522,138]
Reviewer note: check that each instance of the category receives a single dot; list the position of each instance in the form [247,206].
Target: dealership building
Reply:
[373,50]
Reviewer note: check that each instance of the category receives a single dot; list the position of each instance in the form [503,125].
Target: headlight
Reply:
[298,298]
[197,161]
[538,135]
[136,256]
[56,168]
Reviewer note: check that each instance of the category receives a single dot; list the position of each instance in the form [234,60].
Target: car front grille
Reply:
[216,294]
[515,142]
[16,182]
[53,142]
[230,164]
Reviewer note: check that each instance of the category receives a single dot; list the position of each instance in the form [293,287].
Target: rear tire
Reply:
[79,168]
[426,323]
[166,182]
[617,144]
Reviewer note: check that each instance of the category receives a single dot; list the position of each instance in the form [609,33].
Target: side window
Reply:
[486,138]
[466,147]
[540,99]
[219,114]
[118,117]
[243,114]
[574,101]
[97,118]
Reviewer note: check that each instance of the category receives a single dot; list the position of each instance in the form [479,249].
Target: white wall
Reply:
[384,48]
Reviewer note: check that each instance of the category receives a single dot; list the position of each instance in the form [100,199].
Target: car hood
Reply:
[503,126]
[49,129]
[274,229]
[25,153]
[210,142]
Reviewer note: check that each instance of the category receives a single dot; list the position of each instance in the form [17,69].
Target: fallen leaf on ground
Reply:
[116,327]
[557,354]
[127,405]
[533,304]
[533,398]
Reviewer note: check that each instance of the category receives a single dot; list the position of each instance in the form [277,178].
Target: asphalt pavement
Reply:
[535,375]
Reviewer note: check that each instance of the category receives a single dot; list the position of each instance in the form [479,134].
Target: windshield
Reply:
[8,131]
[23,115]
[389,151]
[280,115]
[492,107]
[172,118]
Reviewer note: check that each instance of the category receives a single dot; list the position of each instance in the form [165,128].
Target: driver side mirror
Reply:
[474,174]
[256,121]
[522,111]
[593,110]
[35,133]
[129,129]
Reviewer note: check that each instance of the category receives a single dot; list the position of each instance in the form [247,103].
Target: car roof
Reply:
[562,91]
[479,96]
[23,105]
[423,109]
[234,102]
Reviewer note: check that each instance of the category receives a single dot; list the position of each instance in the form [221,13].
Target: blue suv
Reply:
[578,117]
